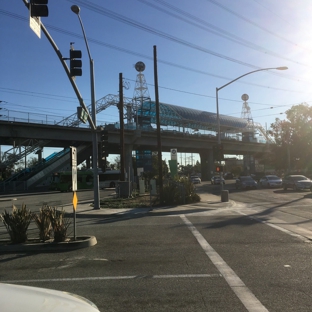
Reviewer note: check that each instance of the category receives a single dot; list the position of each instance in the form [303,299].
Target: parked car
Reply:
[296,182]
[228,175]
[216,180]
[257,176]
[270,181]
[35,299]
[195,179]
[245,182]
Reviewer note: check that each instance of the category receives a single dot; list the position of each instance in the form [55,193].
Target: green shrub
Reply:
[43,222]
[179,191]
[17,223]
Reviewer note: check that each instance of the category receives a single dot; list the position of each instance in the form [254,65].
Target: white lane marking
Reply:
[247,298]
[113,278]
[275,226]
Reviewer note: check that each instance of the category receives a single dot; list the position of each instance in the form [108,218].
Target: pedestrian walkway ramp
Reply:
[34,176]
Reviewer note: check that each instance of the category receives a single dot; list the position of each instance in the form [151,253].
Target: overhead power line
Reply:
[256,25]
[202,24]
[96,41]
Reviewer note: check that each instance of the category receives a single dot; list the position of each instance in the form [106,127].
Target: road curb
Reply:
[80,242]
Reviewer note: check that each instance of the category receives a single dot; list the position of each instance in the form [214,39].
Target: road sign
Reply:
[82,114]
[75,200]
[174,153]
[35,25]
[73,161]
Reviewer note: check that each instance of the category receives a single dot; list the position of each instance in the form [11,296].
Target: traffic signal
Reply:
[75,65]
[219,168]
[104,144]
[39,8]
[218,153]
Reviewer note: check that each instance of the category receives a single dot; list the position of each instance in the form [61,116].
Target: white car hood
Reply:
[34,299]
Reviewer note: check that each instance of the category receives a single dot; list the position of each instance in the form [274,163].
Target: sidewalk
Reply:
[209,201]
[209,204]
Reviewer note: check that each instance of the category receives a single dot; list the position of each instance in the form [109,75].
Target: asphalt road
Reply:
[186,258]
[34,201]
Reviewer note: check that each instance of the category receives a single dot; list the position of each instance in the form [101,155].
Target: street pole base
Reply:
[224,196]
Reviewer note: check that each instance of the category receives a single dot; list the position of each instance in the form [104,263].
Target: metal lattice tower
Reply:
[141,92]
[246,112]
[253,126]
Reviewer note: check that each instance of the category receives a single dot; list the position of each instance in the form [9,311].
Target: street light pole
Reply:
[76,10]
[217,103]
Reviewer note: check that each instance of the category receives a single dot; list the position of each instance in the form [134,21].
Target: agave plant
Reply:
[17,223]
[59,224]
[43,222]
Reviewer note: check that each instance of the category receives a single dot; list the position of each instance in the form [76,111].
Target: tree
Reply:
[116,163]
[197,167]
[293,139]
[31,162]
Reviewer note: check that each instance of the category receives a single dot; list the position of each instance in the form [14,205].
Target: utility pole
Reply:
[158,126]
[121,121]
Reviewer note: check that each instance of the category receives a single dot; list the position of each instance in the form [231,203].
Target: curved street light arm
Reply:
[254,71]
[218,115]
[84,36]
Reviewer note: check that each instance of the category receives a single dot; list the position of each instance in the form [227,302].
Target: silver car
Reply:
[245,182]
[296,182]
[270,181]
[216,180]
[195,180]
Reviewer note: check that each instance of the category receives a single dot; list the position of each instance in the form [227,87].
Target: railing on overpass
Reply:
[15,153]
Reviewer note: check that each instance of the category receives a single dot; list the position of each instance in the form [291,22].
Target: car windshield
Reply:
[297,178]
[246,178]
[273,178]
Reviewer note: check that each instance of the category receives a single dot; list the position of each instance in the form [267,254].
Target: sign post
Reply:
[73,162]
[173,163]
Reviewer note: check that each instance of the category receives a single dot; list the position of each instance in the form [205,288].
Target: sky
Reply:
[201,45]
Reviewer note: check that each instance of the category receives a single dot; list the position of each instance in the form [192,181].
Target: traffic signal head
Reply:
[104,144]
[218,153]
[75,64]
[104,136]
[39,8]
[219,169]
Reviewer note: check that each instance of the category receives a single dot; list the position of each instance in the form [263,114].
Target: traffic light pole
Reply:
[92,121]
[62,60]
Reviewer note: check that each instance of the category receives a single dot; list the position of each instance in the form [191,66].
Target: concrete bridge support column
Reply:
[249,164]
[39,153]
[207,165]
[128,162]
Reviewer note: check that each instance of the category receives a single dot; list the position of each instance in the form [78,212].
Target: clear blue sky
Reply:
[201,45]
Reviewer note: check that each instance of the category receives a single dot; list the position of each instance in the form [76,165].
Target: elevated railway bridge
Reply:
[188,130]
